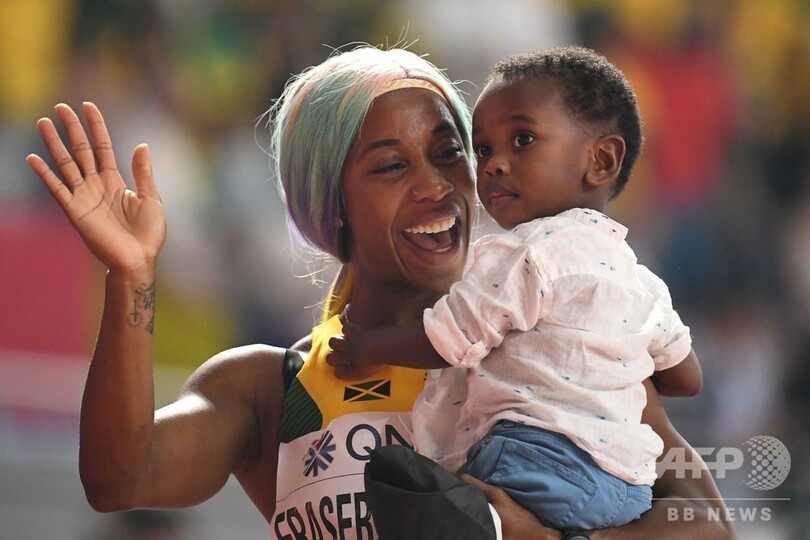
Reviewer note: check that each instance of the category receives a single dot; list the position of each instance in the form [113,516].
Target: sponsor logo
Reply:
[367,391]
[335,509]
[319,455]
[360,441]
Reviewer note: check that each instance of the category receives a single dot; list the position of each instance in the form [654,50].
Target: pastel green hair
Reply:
[314,124]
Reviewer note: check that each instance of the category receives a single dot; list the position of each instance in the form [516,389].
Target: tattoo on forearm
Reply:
[143,308]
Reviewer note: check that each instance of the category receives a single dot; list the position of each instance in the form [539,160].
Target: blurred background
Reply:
[719,206]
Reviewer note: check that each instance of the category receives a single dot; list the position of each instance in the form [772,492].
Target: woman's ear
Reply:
[607,155]
[343,242]
[342,232]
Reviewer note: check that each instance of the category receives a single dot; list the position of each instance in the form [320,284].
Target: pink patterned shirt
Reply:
[555,325]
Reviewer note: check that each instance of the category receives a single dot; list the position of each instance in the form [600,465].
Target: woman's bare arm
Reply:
[131,456]
[134,457]
[695,495]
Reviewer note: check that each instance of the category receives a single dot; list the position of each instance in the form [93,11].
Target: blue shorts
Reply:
[556,480]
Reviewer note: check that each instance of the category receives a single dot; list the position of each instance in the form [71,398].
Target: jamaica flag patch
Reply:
[368,391]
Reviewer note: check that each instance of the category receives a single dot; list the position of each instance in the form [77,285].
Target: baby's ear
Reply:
[607,154]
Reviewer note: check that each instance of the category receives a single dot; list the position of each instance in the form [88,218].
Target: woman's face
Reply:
[408,193]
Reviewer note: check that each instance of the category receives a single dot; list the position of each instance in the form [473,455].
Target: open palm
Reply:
[124,229]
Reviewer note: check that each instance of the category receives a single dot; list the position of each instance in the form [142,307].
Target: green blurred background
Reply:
[719,206]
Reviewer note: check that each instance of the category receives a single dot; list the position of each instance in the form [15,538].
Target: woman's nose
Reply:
[432,186]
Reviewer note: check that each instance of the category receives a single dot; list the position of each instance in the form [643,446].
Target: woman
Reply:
[372,150]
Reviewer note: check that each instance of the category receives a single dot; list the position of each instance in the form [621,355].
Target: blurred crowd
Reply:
[719,205]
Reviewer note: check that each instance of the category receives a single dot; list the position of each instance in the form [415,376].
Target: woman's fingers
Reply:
[82,151]
[102,144]
[492,493]
[79,164]
[64,161]
[142,172]
[517,522]
[58,190]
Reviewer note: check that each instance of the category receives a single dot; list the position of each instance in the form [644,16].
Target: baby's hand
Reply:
[347,355]
[337,358]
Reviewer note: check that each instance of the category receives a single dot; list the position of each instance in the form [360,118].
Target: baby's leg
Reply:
[553,478]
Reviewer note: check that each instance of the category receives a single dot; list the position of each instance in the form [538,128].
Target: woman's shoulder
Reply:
[239,371]
[256,356]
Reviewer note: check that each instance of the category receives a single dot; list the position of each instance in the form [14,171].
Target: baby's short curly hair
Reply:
[594,90]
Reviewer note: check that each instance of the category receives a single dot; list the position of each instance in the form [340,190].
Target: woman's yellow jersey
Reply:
[328,428]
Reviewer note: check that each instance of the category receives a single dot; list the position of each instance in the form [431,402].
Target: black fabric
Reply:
[412,497]
[290,367]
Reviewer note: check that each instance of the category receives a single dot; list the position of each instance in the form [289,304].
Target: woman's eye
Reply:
[482,150]
[455,150]
[452,152]
[523,139]
[391,167]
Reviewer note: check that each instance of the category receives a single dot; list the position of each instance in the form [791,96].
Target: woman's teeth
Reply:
[431,228]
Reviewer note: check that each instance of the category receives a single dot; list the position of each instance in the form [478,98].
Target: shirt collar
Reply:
[597,220]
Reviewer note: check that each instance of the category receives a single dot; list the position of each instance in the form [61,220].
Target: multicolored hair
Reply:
[314,124]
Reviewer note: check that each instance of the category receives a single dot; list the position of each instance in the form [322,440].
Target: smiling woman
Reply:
[406,169]
[370,147]
[376,172]
[408,172]
[441,235]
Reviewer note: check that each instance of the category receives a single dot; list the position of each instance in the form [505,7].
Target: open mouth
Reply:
[437,236]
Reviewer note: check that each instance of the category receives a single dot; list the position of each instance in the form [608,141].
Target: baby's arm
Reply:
[681,380]
[460,329]
[360,351]
[671,342]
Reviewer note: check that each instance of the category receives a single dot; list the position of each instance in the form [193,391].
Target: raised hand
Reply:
[124,229]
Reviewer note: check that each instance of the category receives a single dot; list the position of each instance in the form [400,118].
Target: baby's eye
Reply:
[523,139]
[482,150]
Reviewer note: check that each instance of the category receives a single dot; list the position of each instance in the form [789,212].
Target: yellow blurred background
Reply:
[719,206]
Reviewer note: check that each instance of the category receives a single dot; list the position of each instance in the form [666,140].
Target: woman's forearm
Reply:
[675,517]
[117,412]
[698,511]
[686,507]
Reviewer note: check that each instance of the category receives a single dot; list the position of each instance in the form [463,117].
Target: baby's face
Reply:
[532,153]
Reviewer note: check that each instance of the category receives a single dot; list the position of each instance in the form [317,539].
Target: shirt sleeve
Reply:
[672,339]
[503,290]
